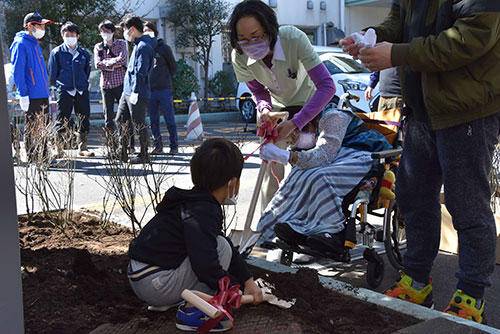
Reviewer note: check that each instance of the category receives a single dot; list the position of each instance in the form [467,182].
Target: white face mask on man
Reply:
[150,34]
[231,199]
[127,35]
[38,33]
[106,37]
[70,41]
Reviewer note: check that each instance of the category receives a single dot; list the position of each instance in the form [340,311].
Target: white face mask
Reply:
[150,34]
[127,35]
[231,199]
[70,41]
[38,33]
[106,36]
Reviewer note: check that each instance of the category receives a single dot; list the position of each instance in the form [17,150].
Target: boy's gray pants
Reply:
[165,287]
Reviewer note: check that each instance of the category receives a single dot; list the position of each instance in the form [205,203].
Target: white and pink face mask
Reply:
[257,50]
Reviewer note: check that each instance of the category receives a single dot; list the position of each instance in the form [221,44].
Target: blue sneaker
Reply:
[189,319]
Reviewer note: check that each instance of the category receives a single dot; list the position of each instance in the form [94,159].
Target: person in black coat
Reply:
[164,68]
[183,246]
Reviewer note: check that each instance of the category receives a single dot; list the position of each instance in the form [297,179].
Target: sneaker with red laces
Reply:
[464,306]
[404,289]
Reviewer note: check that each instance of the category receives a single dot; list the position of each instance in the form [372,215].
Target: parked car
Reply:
[347,74]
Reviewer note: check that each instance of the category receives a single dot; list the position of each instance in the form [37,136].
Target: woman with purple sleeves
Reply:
[282,70]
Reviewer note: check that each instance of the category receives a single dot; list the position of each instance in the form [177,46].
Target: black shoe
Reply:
[289,235]
[173,151]
[157,150]
[328,242]
[139,159]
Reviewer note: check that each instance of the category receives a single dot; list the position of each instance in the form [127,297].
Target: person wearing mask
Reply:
[390,89]
[161,92]
[282,70]
[449,56]
[69,70]
[136,89]
[110,56]
[29,71]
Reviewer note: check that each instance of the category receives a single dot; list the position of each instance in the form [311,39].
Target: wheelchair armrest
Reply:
[387,154]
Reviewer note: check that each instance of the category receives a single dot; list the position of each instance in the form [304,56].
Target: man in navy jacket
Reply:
[69,70]
[136,89]
[29,71]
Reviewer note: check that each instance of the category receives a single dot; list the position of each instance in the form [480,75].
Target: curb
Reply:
[376,298]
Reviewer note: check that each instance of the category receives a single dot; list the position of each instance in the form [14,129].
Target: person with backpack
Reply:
[110,56]
[164,68]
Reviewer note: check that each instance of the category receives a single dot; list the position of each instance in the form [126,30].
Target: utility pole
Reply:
[11,295]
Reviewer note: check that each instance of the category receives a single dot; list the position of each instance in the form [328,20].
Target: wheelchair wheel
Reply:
[286,257]
[375,269]
[395,235]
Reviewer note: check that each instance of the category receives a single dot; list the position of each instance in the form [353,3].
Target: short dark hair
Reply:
[132,20]
[215,163]
[152,26]
[70,27]
[107,24]
[260,11]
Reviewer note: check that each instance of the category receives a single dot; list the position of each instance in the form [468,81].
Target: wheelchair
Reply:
[358,230]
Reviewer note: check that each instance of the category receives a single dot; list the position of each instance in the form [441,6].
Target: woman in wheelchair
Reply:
[329,157]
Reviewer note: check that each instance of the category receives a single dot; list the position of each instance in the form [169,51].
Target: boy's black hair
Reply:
[131,20]
[215,163]
[70,27]
[152,26]
[259,10]
[107,24]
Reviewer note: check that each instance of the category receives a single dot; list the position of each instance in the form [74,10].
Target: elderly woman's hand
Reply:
[285,129]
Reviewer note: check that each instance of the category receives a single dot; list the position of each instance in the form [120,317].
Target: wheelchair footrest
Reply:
[338,257]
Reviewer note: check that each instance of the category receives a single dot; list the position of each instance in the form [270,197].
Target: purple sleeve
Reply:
[261,95]
[325,90]
[374,78]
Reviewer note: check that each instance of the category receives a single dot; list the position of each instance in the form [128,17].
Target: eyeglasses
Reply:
[254,39]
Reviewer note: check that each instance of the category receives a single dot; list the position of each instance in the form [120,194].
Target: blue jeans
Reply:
[460,158]
[162,99]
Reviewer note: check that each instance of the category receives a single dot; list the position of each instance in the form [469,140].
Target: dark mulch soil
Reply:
[75,281]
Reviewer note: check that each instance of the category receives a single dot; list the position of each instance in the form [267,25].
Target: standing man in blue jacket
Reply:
[29,70]
[136,89]
[69,68]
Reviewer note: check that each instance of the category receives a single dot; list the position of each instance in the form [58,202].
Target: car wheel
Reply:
[248,110]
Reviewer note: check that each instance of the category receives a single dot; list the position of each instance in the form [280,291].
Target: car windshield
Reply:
[342,63]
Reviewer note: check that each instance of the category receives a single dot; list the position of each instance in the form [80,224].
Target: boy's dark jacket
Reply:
[187,224]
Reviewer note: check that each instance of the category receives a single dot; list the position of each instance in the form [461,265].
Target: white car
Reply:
[347,74]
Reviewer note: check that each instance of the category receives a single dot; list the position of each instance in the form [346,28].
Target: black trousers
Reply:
[37,107]
[109,96]
[65,105]
[135,116]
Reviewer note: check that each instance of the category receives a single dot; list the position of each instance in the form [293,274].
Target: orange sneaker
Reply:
[403,289]
[464,306]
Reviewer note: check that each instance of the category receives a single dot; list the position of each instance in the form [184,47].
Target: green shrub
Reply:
[184,81]
[222,84]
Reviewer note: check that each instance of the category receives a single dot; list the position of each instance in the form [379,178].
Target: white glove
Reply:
[134,97]
[271,152]
[24,102]
[367,40]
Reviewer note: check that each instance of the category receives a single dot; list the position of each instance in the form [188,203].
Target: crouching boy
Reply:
[183,247]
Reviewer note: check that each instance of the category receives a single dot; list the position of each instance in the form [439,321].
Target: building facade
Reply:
[324,21]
